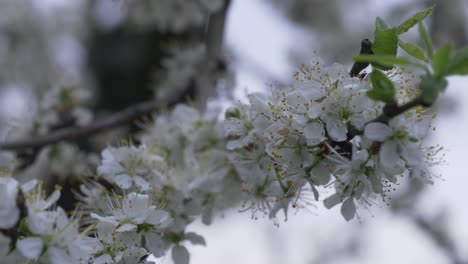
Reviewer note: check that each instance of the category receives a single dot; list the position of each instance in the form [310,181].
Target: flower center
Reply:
[344,113]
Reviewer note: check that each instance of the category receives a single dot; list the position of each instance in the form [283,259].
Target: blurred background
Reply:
[115,59]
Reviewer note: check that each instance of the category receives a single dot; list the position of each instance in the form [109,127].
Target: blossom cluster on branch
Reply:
[274,153]
[329,136]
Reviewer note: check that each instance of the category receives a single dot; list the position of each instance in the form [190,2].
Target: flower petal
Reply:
[377,131]
[390,158]
[59,256]
[126,227]
[123,181]
[156,244]
[136,205]
[336,131]
[104,219]
[8,217]
[412,154]
[314,133]
[30,247]
[103,259]
[320,174]
[348,209]
[180,255]
[195,238]
[159,218]
[331,201]
[358,121]
[141,183]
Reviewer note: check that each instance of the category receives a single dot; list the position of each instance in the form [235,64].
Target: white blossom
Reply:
[131,166]
[30,247]
[401,142]
[9,212]
[179,68]
[135,209]
[180,255]
[171,15]
[55,238]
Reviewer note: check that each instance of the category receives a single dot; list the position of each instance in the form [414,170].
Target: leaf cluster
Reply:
[437,63]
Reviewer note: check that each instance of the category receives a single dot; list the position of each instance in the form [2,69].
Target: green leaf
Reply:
[413,20]
[413,50]
[385,42]
[441,60]
[384,60]
[23,227]
[459,64]
[380,25]
[232,113]
[425,37]
[431,87]
[382,87]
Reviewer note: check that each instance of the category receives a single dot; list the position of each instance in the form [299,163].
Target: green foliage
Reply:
[379,25]
[232,113]
[458,65]
[65,95]
[382,87]
[386,39]
[445,62]
[385,60]
[441,60]
[23,227]
[413,50]
[385,43]
[438,64]
[144,228]
[431,87]
[425,38]
[413,20]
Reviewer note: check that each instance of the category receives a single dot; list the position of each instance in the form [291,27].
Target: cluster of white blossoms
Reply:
[48,235]
[282,150]
[9,212]
[179,68]
[171,15]
[267,156]
[320,131]
[62,106]
[59,107]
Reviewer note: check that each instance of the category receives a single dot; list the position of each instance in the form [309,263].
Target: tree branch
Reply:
[100,125]
[392,110]
[439,236]
[214,42]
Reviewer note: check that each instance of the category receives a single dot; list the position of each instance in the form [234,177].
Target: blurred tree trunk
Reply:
[123,60]
[449,22]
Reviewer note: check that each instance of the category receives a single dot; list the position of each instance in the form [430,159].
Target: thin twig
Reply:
[123,117]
